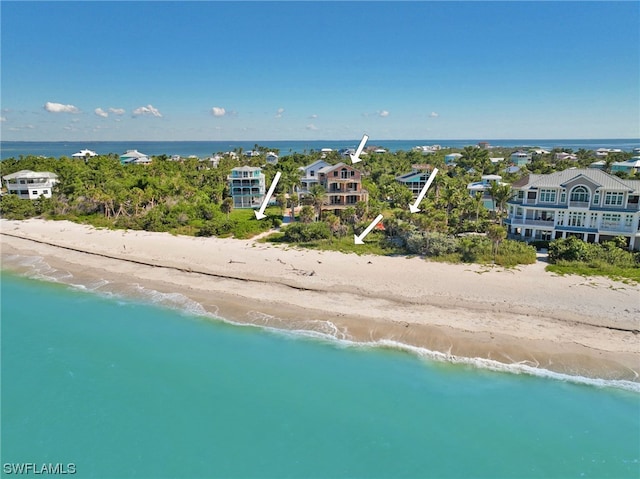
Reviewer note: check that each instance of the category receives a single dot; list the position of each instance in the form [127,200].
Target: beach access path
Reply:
[568,324]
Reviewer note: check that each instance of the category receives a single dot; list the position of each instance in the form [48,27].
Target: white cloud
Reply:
[383,113]
[2,118]
[60,108]
[101,112]
[146,110]
[117,111]
[433,114]
[279,112]
[312,127]
[313,117]
[218,111]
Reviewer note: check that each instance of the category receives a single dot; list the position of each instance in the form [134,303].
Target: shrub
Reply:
[13,207]
[302,233]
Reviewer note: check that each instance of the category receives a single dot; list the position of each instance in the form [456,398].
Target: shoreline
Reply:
[567,325]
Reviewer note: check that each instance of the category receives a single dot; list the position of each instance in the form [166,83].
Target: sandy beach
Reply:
[573,325]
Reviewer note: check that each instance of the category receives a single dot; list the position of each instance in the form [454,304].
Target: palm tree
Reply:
[503,194]
[227,206]
[317,195]
[496,234]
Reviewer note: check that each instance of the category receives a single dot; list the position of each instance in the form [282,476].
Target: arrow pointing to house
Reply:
[358,239]
[260,213]
[414,207]
[356,158]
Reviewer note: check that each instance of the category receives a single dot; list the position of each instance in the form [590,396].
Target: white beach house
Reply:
[310,175]
[415,179]
[31,185]
[84,154]
[588,203]
[247,186]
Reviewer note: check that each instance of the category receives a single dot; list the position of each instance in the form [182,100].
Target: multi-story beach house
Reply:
[452,158]
[310,175]
[31,185]
[415,179]
[587,203]
[343,185]
[520,158]
[247,186]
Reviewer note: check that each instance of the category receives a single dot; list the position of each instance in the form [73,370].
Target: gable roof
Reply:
[330,168]
[30,174]
[561,178]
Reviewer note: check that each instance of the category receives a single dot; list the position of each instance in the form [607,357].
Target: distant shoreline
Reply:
[59,148]
[568,325]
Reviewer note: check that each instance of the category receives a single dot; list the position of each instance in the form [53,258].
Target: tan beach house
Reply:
[343,185]
[31,185]
[584,202]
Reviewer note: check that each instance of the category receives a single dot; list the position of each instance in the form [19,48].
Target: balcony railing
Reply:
[579,204]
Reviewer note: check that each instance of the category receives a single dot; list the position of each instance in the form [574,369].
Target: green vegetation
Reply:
[190,197]
[610,259]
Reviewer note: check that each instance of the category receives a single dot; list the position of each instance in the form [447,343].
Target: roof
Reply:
[329,168]
[133,154]
[632,163]
[247,168]
[30,174]
[314,164]
[561,178]
[412,176]
[83,153]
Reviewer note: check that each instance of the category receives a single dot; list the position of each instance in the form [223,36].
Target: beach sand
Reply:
[567,324]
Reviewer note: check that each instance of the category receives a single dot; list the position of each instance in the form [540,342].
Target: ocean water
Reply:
[124,388]
[202,149]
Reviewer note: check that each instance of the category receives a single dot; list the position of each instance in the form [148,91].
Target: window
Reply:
[580,193]
[560,218]
[531,195]
[35,193]
[22,182]
[24,192]
[45,192]
[312,173]
[596,198]
[628,219]
[563,196]
[335,173]
[613,198]
[576,218]
[353,173]
[547,196]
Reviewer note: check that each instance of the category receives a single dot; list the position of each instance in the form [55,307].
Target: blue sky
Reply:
[319,70]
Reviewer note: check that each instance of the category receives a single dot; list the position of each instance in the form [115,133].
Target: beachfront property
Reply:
[310,175]
[415,179]
[483,187]
[247,186]
[343,185]
[31,185]
[587,203]
[520,158]
[134,157]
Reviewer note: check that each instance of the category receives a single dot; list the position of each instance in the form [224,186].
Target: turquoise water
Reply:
[126,389]
[56,149]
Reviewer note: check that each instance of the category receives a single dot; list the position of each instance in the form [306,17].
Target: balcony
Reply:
[578,204]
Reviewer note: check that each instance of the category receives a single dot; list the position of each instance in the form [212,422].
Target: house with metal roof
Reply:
[31,185]
[583,202]
[415,180]
[134,157]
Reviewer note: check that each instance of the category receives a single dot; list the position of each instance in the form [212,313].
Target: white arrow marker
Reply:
[260,214]
[356,158]
[358,239]
[414,207]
